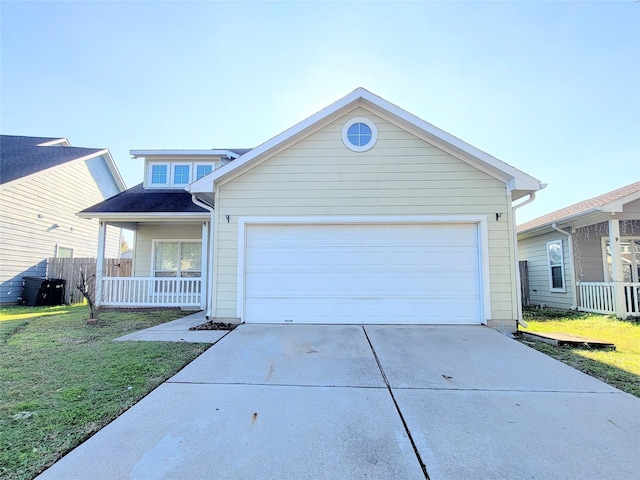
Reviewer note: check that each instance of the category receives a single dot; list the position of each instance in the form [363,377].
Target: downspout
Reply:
[210,209]
[574,289]
[532,197]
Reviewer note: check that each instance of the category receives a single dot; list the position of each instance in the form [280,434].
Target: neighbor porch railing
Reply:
[151,292]
[600,297]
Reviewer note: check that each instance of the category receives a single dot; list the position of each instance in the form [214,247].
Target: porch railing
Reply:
[151,292]
[599,297]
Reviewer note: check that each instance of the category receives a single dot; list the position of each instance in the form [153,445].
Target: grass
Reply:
[619,368]
[62,380]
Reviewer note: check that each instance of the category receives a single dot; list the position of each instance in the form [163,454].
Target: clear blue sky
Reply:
[552,88]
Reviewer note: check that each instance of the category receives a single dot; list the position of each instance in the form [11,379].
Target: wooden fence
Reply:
[70,269]
[524,282]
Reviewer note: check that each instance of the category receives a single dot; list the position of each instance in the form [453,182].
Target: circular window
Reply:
[359,134]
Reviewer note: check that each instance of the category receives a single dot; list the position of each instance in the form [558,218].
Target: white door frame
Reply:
[479,220]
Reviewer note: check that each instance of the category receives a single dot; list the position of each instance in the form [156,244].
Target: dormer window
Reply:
[159,175]
[203,170]
[176,174]
[181,174]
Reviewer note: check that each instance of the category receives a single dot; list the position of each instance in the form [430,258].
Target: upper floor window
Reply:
[159,174]
[359,134]
[176,174]
[556,266]
[203,170]
[181,174]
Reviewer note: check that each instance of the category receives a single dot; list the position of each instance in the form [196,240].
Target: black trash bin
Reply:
[38,291]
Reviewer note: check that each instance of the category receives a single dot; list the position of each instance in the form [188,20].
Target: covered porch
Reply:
[607,259]
[169,266]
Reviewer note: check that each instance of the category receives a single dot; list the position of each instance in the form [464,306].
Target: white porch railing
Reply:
[151,292]
[632,299]
[599,297]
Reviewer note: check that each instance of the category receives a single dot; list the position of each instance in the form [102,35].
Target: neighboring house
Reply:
[43,183]
[362,213]
[570,260]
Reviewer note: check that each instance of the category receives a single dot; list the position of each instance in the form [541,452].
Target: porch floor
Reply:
[560,339]
[177,331]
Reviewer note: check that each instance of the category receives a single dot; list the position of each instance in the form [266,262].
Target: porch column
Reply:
[204,268]
[616,267]
[102,238]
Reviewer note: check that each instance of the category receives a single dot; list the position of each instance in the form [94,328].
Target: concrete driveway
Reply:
[371,402]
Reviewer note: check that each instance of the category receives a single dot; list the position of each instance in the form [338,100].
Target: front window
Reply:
[203,170]
[177,259]
[159,174]
[556,266]
[181,174]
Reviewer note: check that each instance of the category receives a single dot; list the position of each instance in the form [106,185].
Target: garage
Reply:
[365,273]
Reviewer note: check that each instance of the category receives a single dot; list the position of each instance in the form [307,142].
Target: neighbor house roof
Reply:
[138,200]
[519,183]
[612,201]
[21,156]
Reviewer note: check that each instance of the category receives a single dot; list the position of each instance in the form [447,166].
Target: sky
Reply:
[551,88]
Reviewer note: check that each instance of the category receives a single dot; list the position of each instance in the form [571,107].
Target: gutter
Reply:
[573,269]
[532,197]
[211,211]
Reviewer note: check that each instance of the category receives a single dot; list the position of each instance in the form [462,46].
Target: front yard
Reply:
[619,367]
[62,380]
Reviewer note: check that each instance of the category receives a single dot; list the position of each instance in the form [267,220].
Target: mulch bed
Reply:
[211,325]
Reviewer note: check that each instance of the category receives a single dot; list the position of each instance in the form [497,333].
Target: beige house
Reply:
[43,183]
[586,256]
[362,213]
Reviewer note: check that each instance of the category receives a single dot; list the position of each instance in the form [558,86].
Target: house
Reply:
[43,183]
[362,213]
[586,256]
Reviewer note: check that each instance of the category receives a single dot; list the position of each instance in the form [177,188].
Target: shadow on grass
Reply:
[572,356]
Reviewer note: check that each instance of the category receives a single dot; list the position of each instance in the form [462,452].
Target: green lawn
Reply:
[61,380]
[619,367]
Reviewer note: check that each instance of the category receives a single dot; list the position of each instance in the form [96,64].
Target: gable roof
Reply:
[137,200]
[516,180]
[21,156]
[609,202]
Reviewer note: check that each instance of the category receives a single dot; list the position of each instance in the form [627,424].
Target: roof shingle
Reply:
[580,207]
[21,156]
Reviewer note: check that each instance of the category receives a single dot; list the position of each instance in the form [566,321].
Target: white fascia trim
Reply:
[63,142]
[183,153]
[480,220]
[519,180]
[115,173]
[132,217]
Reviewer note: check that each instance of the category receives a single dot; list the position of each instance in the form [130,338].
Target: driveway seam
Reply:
[393,398]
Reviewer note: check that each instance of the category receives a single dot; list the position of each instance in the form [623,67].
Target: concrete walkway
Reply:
[375,402]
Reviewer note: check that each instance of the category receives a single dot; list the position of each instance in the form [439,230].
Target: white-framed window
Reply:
[359,134]
[555,259]
[203,170]
[177,258]
[159,174]
[180,174]
[64,252]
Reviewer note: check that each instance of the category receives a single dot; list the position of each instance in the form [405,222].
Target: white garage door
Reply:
[373,273]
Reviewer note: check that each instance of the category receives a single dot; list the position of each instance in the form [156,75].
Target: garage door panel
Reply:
[362,274]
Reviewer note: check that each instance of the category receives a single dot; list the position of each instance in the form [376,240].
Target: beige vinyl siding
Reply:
[400,175]
[147,233]
[57,195]
[534,251]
